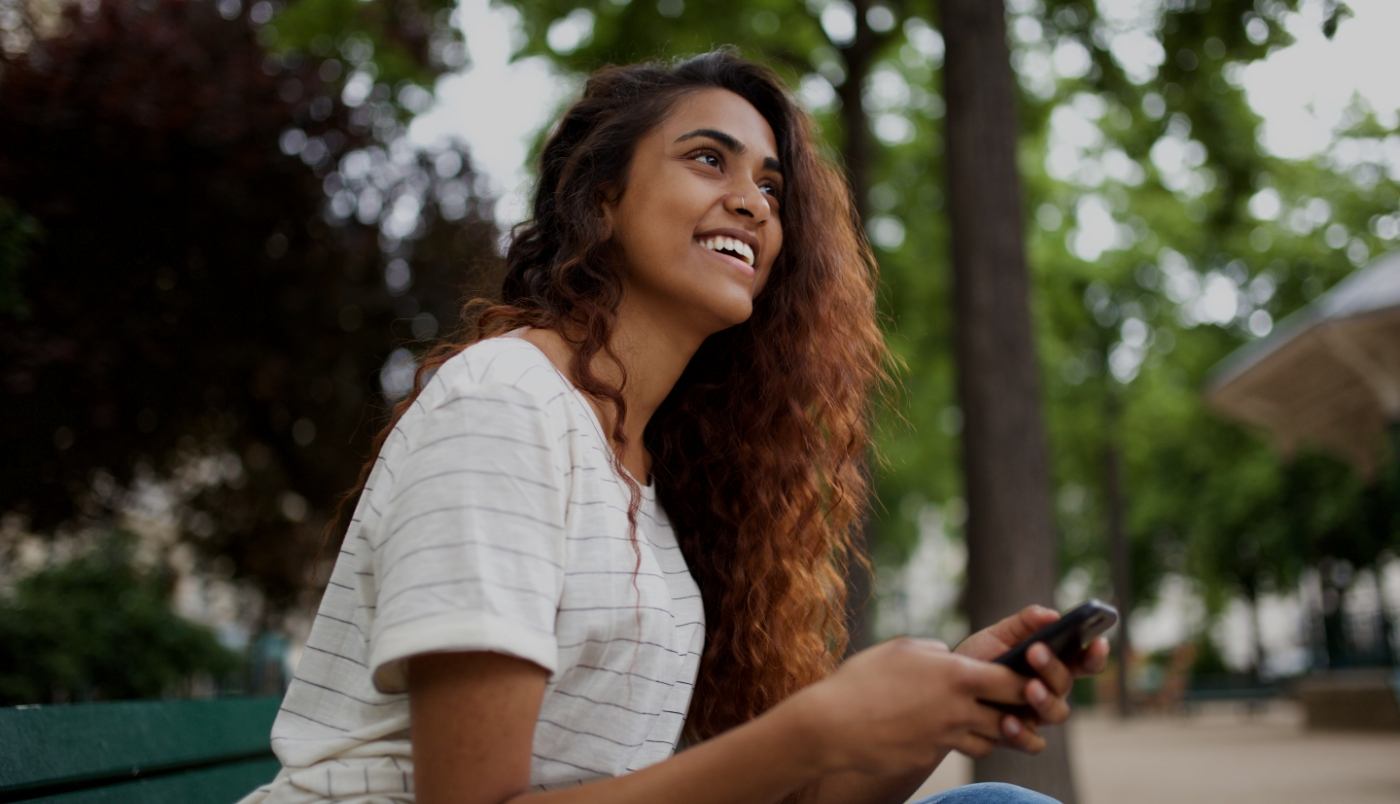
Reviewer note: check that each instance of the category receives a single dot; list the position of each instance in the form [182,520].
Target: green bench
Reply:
[137,751]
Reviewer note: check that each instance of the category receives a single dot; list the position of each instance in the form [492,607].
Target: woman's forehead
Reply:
[721,111]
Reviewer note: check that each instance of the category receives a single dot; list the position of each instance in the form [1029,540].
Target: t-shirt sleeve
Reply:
[471,546]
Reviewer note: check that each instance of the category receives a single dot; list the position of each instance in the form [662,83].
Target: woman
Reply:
[614,521]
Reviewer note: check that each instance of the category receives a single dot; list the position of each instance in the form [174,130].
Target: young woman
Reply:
[613,522]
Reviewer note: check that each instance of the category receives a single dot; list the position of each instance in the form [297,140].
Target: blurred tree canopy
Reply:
[214,254]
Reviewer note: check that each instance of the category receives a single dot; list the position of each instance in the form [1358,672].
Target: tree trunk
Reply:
[1120,558]
[859,57]
[1333,625]
[1010,536]
[1256,661]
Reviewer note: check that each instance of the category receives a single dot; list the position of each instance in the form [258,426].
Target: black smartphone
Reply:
[1067,638]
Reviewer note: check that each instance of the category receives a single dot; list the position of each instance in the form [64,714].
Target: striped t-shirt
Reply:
[493,520]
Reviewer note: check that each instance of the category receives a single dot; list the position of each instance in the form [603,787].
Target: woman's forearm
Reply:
[760,761]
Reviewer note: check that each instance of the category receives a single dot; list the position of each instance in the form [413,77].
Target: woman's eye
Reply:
[707,158]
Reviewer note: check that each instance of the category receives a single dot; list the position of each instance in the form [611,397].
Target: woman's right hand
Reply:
[901,705]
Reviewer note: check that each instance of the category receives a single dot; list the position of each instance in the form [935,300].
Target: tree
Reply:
[1006,467]
[221,250]
[1129,324]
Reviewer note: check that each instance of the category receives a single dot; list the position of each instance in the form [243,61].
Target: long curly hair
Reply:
[759,450]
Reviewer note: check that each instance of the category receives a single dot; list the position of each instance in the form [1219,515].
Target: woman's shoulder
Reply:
[503,362]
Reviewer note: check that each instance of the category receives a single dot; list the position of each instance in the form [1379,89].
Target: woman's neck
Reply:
[653,356]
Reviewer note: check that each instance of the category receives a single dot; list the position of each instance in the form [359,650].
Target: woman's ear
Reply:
[608,197]
[607,221]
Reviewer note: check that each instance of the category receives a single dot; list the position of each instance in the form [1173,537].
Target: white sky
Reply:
[1302,91]
[495,106]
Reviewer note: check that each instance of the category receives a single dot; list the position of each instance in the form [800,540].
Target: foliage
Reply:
[232,252]
[580,36]
[67,633]
[1205,497]
[400,46]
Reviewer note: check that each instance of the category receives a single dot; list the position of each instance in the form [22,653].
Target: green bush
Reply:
[99,627]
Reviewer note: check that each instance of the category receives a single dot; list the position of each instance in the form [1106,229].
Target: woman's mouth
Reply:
[732,249]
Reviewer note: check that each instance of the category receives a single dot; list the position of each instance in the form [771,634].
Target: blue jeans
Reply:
[989,793]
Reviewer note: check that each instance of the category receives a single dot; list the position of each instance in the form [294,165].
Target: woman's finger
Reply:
[987,721]
[1021,735]
[1035,617]
[1095,659]
[973,745]
[993,682]
[1049,708]
[1056,676]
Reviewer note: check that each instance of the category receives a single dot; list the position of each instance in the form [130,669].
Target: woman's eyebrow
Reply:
[729,143]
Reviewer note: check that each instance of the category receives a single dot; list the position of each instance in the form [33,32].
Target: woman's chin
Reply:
[732,312]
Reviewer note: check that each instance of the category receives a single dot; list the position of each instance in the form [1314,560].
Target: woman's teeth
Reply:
[738,248]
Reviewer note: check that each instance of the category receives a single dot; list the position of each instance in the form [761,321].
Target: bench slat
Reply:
[224,783]
[73,744]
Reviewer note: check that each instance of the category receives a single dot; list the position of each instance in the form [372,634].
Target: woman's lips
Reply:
[733,261]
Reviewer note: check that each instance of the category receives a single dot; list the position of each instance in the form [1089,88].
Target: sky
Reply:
[1301,92]
[518,98]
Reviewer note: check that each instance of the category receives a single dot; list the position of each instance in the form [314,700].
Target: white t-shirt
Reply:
[493,520]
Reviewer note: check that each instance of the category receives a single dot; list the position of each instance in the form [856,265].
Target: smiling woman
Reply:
[614,519]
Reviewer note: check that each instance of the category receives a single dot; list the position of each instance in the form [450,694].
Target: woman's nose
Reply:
[746,204]
[737,203]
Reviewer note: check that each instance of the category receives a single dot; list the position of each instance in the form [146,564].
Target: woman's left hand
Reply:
[1049,693]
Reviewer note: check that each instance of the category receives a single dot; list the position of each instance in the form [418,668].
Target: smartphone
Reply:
[1067,638]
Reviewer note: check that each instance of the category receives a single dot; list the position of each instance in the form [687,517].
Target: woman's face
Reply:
[697,224]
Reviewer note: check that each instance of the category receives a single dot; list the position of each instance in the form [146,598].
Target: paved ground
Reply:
[1221,754]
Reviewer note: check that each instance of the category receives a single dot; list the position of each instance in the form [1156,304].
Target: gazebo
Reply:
[1327,376]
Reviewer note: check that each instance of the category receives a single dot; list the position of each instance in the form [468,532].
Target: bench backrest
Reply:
[147,751]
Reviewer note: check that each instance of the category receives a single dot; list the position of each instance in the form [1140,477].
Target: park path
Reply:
[1220,754]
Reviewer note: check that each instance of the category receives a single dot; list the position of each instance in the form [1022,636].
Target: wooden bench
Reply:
[137,751]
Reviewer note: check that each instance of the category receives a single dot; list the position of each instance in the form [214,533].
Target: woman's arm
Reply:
[873,731]
[473,719]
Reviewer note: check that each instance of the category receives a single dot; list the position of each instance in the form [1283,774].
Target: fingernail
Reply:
[1036,693]
[1013,726]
